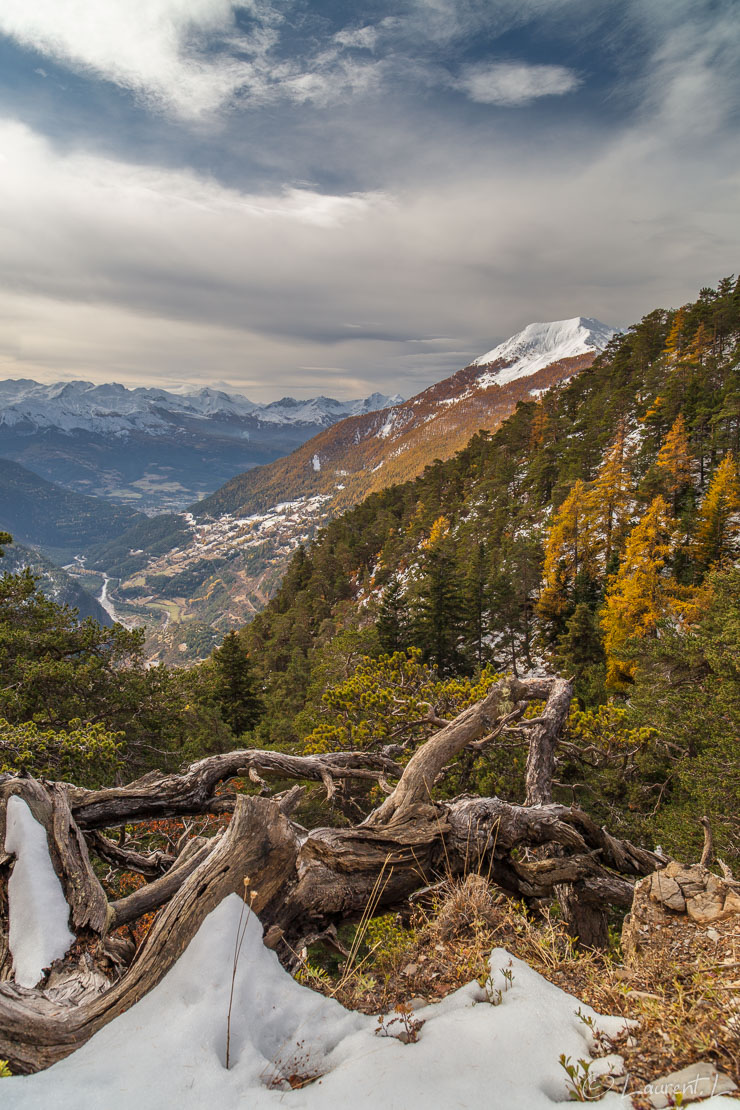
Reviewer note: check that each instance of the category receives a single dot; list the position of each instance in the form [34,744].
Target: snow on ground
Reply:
[539,345]
[169,1050]
[37,909]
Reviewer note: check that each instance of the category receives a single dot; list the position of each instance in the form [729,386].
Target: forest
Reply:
[528,656]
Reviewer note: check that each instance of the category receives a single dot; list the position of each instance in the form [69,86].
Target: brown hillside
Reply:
[366,453]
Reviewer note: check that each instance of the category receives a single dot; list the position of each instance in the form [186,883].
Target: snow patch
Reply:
[37,909]
[467,1050]
[316,462]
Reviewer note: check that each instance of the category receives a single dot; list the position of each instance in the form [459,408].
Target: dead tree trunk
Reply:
[585,916]
[306,883]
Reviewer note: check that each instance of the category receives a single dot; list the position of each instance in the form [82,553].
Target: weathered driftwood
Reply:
[259,843]
[195,791]
[308,883]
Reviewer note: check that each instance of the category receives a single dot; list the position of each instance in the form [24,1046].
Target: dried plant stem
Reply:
[241,930]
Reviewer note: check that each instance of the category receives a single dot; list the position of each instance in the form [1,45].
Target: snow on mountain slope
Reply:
[112,409]
[540,345]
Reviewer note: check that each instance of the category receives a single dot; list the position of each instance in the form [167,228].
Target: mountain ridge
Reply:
[152,449]
[244,533]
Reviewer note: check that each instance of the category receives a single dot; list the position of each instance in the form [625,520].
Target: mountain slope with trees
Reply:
[595,530]
[242,537]
[59,521]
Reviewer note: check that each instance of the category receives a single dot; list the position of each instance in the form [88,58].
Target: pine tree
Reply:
[641,591]
[718,527]
[234,689]
[5,538]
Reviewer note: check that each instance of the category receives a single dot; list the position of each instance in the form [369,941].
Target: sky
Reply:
[292,197]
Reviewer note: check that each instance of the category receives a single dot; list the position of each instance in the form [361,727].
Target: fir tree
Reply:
[580,653]
[437,615]
[611,496]
[393,619]
[234,688]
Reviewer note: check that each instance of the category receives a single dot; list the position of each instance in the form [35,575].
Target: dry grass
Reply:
[684,991]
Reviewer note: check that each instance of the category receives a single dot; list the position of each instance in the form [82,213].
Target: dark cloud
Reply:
[341,199]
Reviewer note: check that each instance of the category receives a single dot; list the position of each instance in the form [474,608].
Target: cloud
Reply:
[156,48]
[188,58]
[426,217]
[358,38]
[511,84]
[113,270]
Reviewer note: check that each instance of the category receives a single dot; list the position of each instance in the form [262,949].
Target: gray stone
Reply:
[666,890]
[696,1081]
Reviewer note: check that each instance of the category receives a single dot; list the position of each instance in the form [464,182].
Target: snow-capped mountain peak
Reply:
[539,345]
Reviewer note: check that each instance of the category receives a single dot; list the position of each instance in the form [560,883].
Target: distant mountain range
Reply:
[218,563]
[152,449]
[369,452]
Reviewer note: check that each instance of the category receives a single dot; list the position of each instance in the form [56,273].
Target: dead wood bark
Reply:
[543,739]
[149,864]
[259,842]
[427,763]
[307,885]
[586,920]
[194,791]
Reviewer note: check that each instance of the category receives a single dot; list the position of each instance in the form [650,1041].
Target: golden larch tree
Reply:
[571,549]
[642,592]
[717,536]
[674,460]
[675,341]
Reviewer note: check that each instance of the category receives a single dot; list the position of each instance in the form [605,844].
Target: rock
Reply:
[677,894]
[666,890]
[697,1081]
[713,935]
[418,1003]
[732,903]
[706,907]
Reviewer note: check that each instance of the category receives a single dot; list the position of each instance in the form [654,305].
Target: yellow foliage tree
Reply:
[641,593]
[571,549]
[675,340]
[674,460]
[437,532]
[717,535]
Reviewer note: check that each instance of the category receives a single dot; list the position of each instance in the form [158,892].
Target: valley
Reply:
[194,575]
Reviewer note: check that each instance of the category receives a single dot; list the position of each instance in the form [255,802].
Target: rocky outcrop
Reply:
[692,893]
